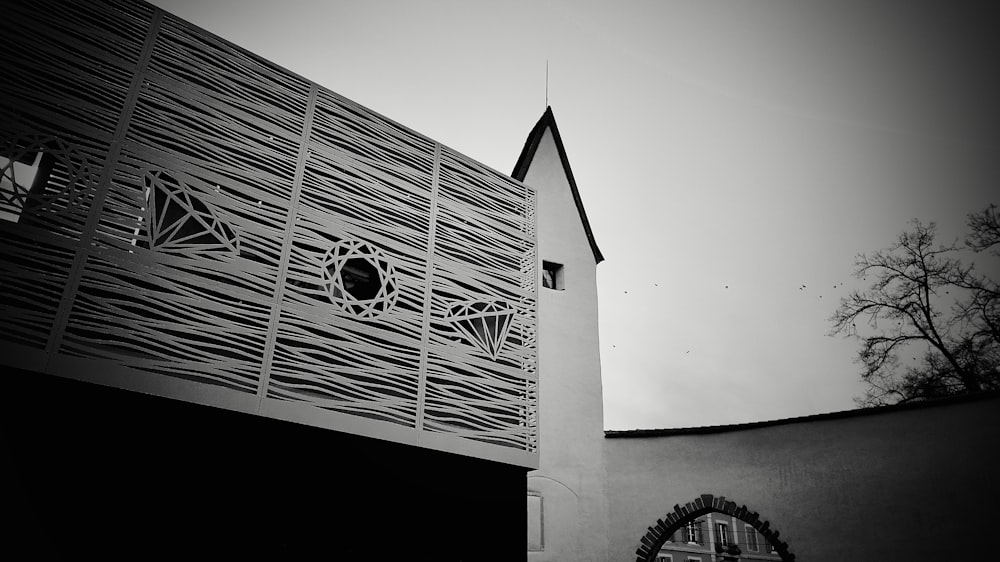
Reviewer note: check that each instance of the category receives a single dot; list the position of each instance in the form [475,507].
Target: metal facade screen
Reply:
[183,218]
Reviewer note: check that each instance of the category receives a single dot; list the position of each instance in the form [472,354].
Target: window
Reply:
[535,542]
[552,275]
[752,539]
[694,559]
[722,534]
[664,558]
[693,532]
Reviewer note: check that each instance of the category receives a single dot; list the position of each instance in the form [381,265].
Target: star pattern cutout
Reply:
[359,279]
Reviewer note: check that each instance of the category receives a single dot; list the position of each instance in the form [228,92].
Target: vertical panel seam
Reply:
[89,233]
[286,247]
[428,292]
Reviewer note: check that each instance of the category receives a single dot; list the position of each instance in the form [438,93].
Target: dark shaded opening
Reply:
[185,478]
[360,278]
[552,275]
[32,181]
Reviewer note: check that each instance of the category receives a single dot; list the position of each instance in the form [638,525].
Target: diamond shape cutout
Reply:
[180,222]
[483,323]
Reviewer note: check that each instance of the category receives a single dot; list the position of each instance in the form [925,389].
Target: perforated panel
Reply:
[67,74]
[184,218]
[366,181]
[484,253]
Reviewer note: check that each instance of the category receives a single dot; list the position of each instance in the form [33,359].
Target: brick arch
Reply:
[681,515]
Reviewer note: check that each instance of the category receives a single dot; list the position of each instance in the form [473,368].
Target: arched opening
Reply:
[725,548]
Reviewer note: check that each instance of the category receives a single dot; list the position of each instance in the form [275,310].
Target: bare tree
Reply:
[929,325]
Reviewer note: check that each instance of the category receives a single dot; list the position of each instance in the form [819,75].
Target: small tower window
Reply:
[552,275]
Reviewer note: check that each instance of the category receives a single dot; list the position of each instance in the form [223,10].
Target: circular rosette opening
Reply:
[359,279]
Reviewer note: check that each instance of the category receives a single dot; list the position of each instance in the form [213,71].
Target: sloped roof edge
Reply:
[929,403]
[548,120]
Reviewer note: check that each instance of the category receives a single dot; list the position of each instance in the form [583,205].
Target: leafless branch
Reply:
[984,228]
[921,293]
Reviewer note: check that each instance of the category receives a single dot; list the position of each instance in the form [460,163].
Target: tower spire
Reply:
[546,82]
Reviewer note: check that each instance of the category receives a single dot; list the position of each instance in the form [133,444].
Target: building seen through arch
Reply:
[714,537]
[246,315]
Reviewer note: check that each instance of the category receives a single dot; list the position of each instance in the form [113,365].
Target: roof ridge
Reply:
[840,414]
[548,121]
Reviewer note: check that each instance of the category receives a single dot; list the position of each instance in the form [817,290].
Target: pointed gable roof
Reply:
[548,121]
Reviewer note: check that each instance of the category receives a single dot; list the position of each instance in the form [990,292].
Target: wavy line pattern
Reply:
[281,173]
[366,179]
[482,247]
[227,125]
[69,63]
[67,68]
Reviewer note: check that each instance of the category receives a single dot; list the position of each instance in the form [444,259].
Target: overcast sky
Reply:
[727,153]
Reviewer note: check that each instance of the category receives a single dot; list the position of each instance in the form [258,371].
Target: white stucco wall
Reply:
[903,484]
[571,474]
[900,485]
